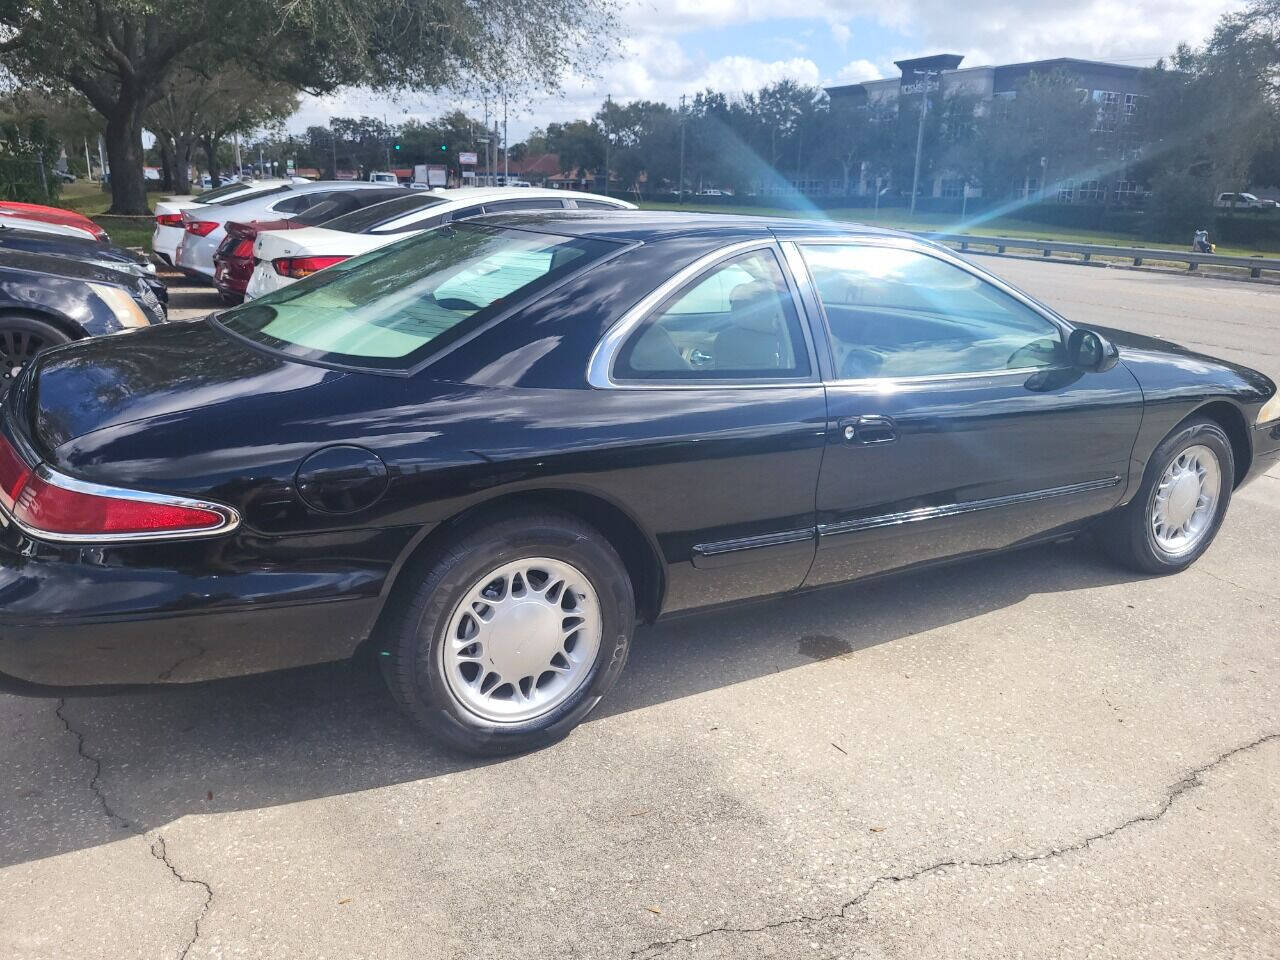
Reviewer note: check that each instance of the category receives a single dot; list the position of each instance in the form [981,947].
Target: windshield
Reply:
[361,221]
[391,307]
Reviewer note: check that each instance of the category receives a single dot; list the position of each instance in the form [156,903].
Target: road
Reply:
[1034,755]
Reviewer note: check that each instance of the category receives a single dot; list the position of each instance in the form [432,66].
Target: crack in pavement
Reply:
[1174,791]
[159,850]
[162,854]
[1248,591]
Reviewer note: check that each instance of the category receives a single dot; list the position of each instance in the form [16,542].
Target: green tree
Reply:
[121,54]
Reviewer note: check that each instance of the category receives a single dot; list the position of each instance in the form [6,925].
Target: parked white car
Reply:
[285,256]
[204,227]
[168,231]
[386,179]
[1244,201]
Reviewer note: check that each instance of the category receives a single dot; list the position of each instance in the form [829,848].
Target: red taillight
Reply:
[169,219]
[201,228]
[299,267]
[14,475]
[49,508]
[243,249]
[44,503]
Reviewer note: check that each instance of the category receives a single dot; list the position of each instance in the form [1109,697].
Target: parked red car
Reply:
[233,260]
[35,211]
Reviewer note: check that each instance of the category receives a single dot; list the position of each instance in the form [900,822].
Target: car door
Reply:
[955,425]
[720,365]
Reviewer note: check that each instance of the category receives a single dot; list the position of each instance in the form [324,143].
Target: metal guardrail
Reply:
[1255,265]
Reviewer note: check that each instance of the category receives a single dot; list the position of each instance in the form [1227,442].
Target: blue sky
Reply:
[670,47]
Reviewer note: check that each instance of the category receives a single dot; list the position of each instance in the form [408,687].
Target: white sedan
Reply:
[168,232]
[285,256]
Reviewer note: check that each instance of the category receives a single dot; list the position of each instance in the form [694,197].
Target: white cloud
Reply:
[657,59]
[859,71]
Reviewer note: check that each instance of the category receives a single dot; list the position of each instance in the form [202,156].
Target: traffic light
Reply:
[397,148]
[444,147]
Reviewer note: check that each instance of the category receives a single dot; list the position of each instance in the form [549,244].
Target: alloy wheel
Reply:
[522,640]
[1186,500]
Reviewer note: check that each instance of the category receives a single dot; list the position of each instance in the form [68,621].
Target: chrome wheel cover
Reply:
[1185,500]
[522,640]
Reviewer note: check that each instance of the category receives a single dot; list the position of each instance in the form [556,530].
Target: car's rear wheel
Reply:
[21,338]
[1180,507]
[511,635]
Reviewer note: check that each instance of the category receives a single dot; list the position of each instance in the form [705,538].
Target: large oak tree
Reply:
[120,54]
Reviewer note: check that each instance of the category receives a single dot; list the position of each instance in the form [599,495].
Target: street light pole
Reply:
[924,110]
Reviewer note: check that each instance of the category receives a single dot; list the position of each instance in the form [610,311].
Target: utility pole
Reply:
[924,110]
[682,148]
[506,152]
[236,141]
[102,162]
[333,146]
[88,167]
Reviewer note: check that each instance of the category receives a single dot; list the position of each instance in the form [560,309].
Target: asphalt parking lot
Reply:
[1034,755]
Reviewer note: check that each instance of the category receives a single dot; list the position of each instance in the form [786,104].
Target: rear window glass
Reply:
[218,193]
[391,307]
[363,221]
[251,195]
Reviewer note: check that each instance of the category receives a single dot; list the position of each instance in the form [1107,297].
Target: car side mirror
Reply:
[1090,350]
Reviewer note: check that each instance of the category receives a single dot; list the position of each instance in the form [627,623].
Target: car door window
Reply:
[595,205]
[735,321]
[901,313]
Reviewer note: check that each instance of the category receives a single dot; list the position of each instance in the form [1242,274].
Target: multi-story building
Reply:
[1117,91]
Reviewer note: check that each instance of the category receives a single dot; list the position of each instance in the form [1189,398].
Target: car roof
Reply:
[648,226]
[483,193]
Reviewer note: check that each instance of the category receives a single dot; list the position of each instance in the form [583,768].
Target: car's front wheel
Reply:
[511,635]
[21,338]
[1183,499]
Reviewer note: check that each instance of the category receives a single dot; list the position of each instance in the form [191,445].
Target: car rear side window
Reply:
[595,205]
[901,313]
[393,306]
[735,321]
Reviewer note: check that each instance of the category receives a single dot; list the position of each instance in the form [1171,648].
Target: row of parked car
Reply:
[252,238]
[62,279]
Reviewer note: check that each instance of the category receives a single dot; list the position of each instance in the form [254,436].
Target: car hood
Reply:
[69,267]
[317,241]
[1164,366]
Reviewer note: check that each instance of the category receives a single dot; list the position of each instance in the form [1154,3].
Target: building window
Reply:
[1032,187]
[1126,191]
[1066,191]
[1091,191]
[952,189]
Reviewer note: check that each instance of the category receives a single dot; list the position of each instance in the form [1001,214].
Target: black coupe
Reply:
[484,452]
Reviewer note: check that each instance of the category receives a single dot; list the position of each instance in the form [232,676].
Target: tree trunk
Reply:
[165,145]
[211,154]
[182,165]
[124,153]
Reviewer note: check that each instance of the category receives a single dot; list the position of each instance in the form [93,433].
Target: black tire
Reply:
[1127,535]
[21,339]
[409,652]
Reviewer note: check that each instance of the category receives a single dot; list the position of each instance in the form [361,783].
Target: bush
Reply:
[1179,206]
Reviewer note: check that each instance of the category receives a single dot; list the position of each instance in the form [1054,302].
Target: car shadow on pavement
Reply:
[147,759]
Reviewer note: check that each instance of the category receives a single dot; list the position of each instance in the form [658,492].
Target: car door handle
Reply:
[868,430]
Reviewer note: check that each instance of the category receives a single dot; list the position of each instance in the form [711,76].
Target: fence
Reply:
[1087,251]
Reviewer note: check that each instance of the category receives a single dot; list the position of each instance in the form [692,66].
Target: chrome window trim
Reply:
[795,258]
[600,365]
[230,516]
[963,507]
